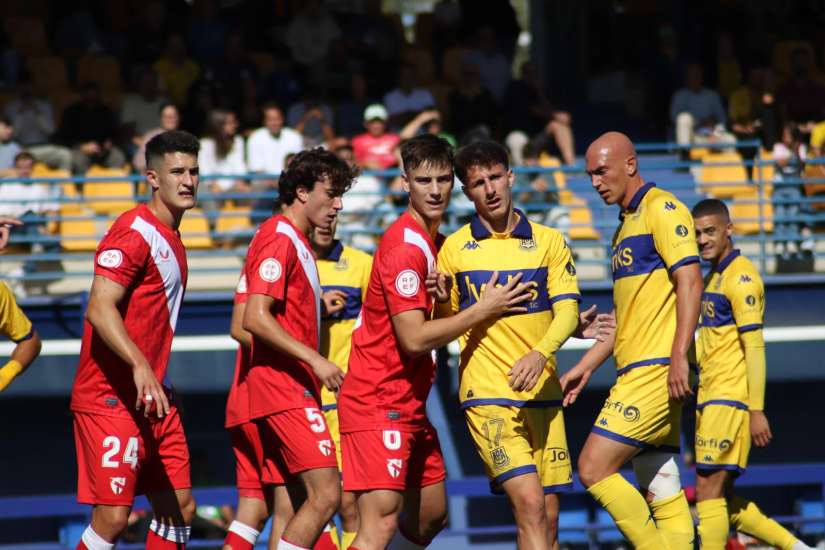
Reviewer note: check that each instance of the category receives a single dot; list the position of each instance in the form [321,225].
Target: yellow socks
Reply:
[674,522]
[714,524]
[333,533]
[629,511]
[747,517]
[346,540]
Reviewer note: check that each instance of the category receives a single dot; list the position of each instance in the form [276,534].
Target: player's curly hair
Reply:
[175,141]
[483,154]
[426,149]
[314,165]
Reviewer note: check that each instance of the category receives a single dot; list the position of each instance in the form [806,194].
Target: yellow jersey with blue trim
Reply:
[348,270]
[655,238]
[14,324]
[489,350]
[733,302]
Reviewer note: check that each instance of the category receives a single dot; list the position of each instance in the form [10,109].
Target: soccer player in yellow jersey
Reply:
[657,293]
[509,388]
[344,274]
[731,398]
[15,326]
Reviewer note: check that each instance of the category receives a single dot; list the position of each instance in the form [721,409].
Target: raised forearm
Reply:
[598,353]
[420,336]
[263,326]
[564,324]
[27,351]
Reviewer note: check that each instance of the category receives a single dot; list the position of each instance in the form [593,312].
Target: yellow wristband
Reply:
[8,373]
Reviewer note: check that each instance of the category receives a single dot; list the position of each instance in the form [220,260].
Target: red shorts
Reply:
[391,459]
[295,440]
[249,459]
[118,458]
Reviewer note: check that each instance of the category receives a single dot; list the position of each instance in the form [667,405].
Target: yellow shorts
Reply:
[331,416]
[639,411]
[723,438]
[519,440]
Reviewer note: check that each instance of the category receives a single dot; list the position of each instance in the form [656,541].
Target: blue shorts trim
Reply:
[646,447]
[26,337]
[329,407]
[560,488]
[729,467]
[547,404]
[495,485]
[683,261]
[746,328]
[654,361]
[728,402]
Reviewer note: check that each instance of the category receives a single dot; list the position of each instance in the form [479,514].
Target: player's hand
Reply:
[499,300]
[329,374]
[760,429]
[5,230]
[149,387]
[595,326]
[439,285]
[678,387]
[332,301]
[526,372]
[572,384]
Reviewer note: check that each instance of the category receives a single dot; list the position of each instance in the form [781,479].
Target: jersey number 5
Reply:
[316,420]
[130,456]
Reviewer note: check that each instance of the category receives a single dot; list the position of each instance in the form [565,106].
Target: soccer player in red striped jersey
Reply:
[390,452]
[128,430]
[283,312]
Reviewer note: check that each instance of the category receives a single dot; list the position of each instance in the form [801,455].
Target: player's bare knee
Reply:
[589,473]
[529,509]
[110,522]
[433,525]
[348,510]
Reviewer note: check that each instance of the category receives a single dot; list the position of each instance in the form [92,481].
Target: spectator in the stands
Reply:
[697,112]
[205,33]
[407,100]
[222,152]
[176,71]
[800,98]
[498,14]
[540,203]
[309,35]
[229,71]
[268,146]
[351,108]
[429,122]
[366,28]
[312,118]
[493,66]
[793,236]
[374,150]
[169,121]
[139,112]
[473,109]
[34,126]
[752,112]
[8,147]
[88,127]
[200,103]
[528,115]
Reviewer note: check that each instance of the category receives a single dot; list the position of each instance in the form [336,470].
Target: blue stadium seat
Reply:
[571,518]
[810,505]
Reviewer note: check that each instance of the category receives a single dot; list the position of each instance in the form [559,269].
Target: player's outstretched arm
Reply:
[236,330]
[689,286]
[418,335]
[103,314]
[593,325]
[262,324]
[575,380]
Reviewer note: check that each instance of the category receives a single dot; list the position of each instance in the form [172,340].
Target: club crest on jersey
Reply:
[407,282]
[638,213]
[242,284]
[110,258]
[325,446]
[394,466]
[471,245]
[528,245]
[270,270]
[117,484]
[342,265]
[745,279]
[500,458]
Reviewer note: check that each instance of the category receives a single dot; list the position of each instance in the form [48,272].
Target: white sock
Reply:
[799,545]
[171,533]
[400,542]
[93,541]
[244,531]
[286,545]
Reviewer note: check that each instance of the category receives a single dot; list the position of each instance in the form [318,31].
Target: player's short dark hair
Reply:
[485,154]
[311,166]
[427,149]
[175,141]
[23,155]
[711,207]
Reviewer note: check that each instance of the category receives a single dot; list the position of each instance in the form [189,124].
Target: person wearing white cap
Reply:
[373,150]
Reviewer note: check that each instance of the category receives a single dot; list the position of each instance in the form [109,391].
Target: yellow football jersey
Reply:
[655,238]
[733,302]
[348,270]
[489,350]
[14,324]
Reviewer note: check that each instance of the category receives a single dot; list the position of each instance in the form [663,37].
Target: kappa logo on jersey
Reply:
[394,466]
[242,284]
[117,484]
[325,446]
[750,300]
[708,458]
[603,422]
[681,230]
[110,258]
[407,283]
[669,206]
[342,265]
[270,270]
[528,245]
[471,245]
[745,279]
